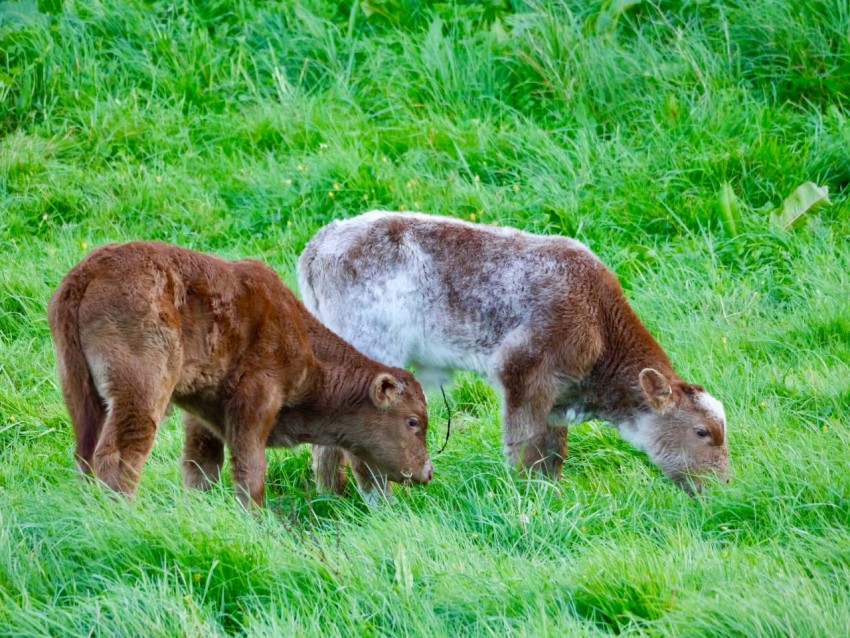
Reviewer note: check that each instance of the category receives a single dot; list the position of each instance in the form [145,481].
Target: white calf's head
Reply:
[683,430]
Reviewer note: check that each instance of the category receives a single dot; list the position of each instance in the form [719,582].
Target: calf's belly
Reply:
[437,356]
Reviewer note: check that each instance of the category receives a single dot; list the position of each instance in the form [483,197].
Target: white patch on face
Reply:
[712,406]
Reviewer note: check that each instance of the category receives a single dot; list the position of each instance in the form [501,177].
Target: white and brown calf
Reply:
[541,317]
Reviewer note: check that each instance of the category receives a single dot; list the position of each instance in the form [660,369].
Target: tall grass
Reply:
[663,134]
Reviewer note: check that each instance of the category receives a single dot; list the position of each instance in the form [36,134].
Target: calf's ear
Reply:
[656,389]
[385,391]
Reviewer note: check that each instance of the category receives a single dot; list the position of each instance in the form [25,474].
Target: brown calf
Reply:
[140,325]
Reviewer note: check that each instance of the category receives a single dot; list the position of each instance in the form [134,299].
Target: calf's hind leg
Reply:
[203,455]
[137,399]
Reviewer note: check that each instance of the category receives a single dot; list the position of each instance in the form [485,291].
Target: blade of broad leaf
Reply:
[403,573]
[728,203]
[804,198]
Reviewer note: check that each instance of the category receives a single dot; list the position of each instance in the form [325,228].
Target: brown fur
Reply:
[140,325]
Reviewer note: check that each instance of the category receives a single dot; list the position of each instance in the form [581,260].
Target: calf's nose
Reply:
[427,473]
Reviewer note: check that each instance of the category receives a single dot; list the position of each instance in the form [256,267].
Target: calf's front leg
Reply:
[530,392]
[329,468]
[250,415]
[530,442]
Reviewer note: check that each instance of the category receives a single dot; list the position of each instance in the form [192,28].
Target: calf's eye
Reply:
[413,422]
[701,433]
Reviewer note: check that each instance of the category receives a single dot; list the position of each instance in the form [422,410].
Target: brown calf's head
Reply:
[683,430]
[398,418]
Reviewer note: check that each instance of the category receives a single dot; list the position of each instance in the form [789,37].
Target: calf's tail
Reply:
[85,406]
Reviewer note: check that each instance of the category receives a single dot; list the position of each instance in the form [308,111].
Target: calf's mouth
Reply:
[423,477]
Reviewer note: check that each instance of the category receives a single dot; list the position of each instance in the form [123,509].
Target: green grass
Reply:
[662,134]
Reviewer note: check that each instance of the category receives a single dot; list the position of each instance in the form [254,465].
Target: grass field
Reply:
[668,136]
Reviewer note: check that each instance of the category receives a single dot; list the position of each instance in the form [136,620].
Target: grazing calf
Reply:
[140,325]
[541,317]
